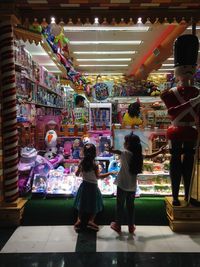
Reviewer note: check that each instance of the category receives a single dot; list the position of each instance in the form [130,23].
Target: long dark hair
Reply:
[89,155]
[134,109]
[133,145]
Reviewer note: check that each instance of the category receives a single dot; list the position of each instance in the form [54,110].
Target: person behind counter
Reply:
[132,116]
[80,112]
[79,101]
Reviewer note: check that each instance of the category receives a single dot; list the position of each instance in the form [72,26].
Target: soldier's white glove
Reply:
[195,101]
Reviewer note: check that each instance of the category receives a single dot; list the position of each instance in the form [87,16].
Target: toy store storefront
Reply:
[42,143]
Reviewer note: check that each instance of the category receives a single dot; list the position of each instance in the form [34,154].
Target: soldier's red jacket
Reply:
[184,117]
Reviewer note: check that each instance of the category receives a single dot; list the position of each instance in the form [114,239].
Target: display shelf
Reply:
[100,116]
[40,105]
[47,106]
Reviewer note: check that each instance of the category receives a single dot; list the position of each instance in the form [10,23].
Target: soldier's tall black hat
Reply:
[186,50]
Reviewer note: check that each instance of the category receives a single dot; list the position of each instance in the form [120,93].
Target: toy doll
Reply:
[183,104]
[76,149]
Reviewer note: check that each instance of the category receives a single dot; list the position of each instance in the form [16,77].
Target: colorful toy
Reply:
[76,149]
[51,139]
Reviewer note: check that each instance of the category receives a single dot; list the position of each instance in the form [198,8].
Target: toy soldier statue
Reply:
[183,104]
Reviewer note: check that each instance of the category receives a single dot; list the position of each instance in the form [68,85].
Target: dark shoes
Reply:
[176,202]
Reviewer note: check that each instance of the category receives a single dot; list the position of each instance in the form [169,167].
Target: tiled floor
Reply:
[41,239]
[56,246]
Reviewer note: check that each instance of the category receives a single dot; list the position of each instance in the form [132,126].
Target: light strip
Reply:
[170,58]
[49,64]
[190,28]
[103,59]
[160,73]
[39,54]
[103,73]
[104,52]
[172,69]
[167,65]
[106,65]
[104,28]
[105,42]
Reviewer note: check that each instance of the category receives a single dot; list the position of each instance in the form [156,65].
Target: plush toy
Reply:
[183,103]
[51,139]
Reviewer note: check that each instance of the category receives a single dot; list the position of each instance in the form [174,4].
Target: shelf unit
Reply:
[34,96]
[100,116]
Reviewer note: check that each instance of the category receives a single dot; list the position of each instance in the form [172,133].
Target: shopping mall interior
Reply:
[72,73]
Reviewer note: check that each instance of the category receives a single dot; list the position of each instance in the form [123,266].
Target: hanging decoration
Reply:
[54,34]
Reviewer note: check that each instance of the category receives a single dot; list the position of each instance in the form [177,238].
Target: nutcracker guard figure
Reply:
[183,104]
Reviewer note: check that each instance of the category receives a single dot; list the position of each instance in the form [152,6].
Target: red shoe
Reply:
[115,227]
[131,229]
[93,226]
[77,225]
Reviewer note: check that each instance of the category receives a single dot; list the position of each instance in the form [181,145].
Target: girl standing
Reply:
[131,164]
[88,200]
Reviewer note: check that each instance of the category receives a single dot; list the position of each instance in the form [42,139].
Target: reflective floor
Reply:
[60,246]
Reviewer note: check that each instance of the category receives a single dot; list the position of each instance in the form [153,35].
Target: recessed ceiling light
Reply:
[39,54]
[105,42]
[167,65]
[106,28]
[49,64]
[103,73]
[104,52]
[107,65]
[172,69]
[190,28]
[159,73]
[104,59]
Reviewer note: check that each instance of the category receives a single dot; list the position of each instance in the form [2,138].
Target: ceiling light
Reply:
[56,71]
[172,69]
[159,73]
[190,28]
[103,73]
[49,64]
[107,65]
[96,21]
[104,59]
[104,52]
[39,54]
[105,42]
[106,28]
[167,65]
[53,20]
[139,21]
[170,58]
